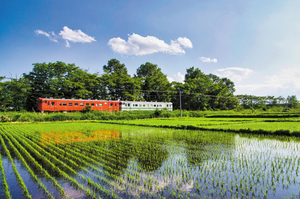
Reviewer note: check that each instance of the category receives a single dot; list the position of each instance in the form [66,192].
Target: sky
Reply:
[254,43]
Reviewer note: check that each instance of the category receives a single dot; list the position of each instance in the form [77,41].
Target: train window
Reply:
[101,104]
[48,103]
[59,104]
[52,103]
[41,101]
[167,105]
[81,104]
[92,104]
[64,104]
[70,104]
[170,105]
[45,101]
[111,104]
[115,104]
[87,104]
[144,105]
[96,104]
[154,105]
[140,105]
[75,104]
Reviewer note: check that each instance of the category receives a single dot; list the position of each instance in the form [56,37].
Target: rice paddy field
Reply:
[267,125]
[97,160]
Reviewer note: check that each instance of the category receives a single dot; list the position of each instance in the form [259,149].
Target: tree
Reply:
[207,92]
[117,82]
[57,80]
[196,86]
[153,80]
[14,94]
[292,101]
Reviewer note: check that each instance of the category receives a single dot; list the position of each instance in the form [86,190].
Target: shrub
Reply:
[87,109]
[16,117]
[157,112]
[4,119]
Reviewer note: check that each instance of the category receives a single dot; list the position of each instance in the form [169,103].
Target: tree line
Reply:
[60,80]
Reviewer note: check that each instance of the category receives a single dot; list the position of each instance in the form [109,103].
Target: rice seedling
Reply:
[5,185]
[110,161]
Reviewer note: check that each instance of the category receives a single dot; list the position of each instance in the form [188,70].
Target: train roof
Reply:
[42,98]
[79,99]
[144,102]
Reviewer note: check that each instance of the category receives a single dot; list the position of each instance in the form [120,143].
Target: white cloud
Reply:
[177,77]
[205,59]
[67,44]
[185,42]
[284,78]
[52,38]
[283,82]
[40,32]
[139,45]
[68,35]
[75,36]
[234,73]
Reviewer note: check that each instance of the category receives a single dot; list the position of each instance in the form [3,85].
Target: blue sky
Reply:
[254,43]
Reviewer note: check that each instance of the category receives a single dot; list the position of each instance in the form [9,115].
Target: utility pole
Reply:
[252,104]
[180,102]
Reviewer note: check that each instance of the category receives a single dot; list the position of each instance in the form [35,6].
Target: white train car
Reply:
[145,106]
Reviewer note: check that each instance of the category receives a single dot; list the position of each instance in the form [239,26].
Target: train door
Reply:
[116,106]
[54,106]
[110,106]
[120,106]
[46,105]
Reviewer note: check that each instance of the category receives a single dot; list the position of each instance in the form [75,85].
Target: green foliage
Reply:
[153,80]
[4,118]
[119,84]
[14,94]
[87,109]
[292,100]
[199,91]
[157,112]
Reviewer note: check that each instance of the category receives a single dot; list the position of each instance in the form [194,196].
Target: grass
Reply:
[132,115]
[283,126]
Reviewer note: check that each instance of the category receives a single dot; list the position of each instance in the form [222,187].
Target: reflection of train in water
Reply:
[50,104]
[70,137]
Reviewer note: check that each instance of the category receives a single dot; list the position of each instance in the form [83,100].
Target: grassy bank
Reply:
[278,126]
[133,115]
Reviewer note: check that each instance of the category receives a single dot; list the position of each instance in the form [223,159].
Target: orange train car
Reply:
[64,105]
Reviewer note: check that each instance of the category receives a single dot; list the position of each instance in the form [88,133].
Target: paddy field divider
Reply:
[191,127]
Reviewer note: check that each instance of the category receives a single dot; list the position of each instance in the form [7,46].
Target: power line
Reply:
[152,91]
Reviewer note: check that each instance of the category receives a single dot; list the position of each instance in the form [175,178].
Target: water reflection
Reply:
[143,162]
[71,136]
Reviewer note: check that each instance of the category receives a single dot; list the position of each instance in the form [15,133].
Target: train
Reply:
[68,105]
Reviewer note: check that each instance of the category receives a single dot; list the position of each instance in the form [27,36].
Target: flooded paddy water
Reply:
[91,160]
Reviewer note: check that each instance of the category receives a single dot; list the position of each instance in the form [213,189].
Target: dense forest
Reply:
[60,80]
